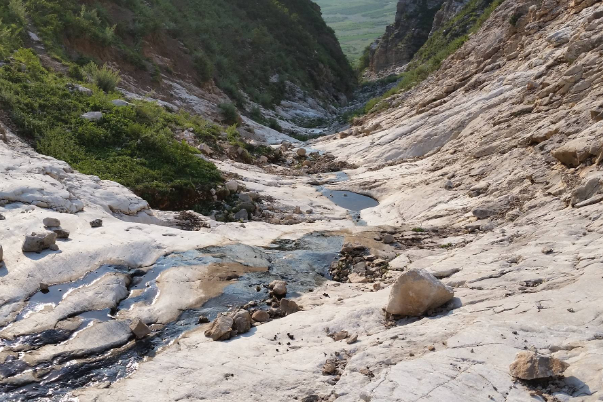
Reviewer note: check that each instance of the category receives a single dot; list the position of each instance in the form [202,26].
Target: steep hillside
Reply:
[64,59]
[251,47]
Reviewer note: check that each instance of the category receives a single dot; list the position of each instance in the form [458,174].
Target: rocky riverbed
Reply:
[483,198]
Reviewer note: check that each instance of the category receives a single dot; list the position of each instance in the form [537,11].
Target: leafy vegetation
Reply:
[447,40]
[134,146]
[103,77]
[253,47]
[250,46]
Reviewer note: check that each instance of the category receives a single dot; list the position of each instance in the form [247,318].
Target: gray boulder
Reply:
[241,321]
[51,222]
[232,186]
[242,215]
[92,116]
[416,292]
[38,242]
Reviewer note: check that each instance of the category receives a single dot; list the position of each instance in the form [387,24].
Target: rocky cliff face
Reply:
[447,11]
[402,39]
[418,21]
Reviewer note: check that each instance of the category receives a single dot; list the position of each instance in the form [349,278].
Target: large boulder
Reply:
[586,191]
[241,321]
[220,329]
[416,292]
[38,242]
[576,151]
[532,366]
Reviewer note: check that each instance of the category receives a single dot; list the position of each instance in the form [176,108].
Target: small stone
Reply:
[53,247]
[297,210]
[339,336]
[547,250]
[329,368]
[448,185]
[532,366]
[388,239]
[309,211]
[1,254]
[203,319]
[51,222]
[139,329]
[431,348]
[352,339]
[44,288]
[97,223]
[2,217]
[279,288]
[232,186]
[61,233]
[288,307]
[260,316]
[263,160]
[301,152]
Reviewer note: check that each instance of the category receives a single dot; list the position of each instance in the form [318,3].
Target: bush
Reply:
[204,67]
[229,112]
[134,146]
[105,77]
[17,9]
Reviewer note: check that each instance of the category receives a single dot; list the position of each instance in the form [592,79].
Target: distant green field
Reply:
[357,23]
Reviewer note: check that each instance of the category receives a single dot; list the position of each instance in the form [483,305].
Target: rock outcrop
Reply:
[402,39]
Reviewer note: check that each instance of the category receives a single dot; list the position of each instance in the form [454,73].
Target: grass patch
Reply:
[134,146]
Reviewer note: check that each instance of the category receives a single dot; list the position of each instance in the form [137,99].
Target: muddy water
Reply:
[302,263]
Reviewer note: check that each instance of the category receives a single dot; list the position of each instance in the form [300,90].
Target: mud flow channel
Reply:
[96,346]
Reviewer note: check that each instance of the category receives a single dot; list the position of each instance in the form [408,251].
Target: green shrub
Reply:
[17,9]
[204,66]
[105,77]
[229,112]
[134,146]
